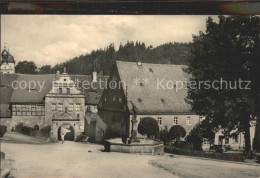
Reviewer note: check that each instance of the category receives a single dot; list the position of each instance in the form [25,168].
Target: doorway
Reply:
[68,132]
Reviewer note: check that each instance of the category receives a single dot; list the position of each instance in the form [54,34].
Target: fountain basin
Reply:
[145,146]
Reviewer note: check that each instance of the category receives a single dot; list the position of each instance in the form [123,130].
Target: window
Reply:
[112,84]
[19,108]
[226,140]
[159,120]
[23,110]
[34,110]
[205,141]
[120,99]
[28,110]
[114,98]
[188,121]
[60,107]
[236,139]
[88,108]
[53,107]
[40,110]
[77,107]
[175,121]
[114,77]
[68,91]
[71,107]
[14,110]
[60,90]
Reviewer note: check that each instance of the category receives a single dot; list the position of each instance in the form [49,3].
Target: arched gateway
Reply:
[68,132]
[66,108]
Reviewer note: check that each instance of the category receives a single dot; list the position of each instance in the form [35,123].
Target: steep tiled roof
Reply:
[22,94]
[6,93]
[149,97]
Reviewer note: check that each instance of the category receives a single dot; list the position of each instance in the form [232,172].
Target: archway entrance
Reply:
[68,132]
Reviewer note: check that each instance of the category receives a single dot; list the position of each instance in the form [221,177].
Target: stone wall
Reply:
[27,120]
[65,100]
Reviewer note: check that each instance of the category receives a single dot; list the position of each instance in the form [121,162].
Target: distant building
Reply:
[136,85]
[234,140]
[7,63]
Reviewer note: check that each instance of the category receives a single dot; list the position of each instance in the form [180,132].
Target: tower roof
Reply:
[7,57]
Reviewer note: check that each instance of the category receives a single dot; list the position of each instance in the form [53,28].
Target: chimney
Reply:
[94,76]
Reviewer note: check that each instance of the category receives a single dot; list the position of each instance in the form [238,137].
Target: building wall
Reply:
[7,68]
[27,120]
[66,100]
[93,108]
[115,120]
[112,108]
[167,121]
[234,143]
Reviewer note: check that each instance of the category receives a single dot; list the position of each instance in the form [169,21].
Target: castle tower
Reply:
[7,62]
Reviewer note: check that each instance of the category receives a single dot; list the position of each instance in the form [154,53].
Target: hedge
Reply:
[3,130]
[26,130]
[45,131]
[221,156]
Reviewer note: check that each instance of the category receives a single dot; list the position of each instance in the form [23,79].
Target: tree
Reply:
[26,67]
[148,126]
[46,69]
[164,136]
[177,132]
[3,130]
[256,144]
[228,51]
[195,137]
[199,132]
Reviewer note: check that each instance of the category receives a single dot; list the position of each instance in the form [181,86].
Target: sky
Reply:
[51,39]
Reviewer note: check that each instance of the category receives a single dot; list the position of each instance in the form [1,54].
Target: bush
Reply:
[3,130]
[81,138]
[26,130]
[148,126]
[45,131]
[18,127]
[221,156]
[183,145]
[164,136]
[176,132]
[195,138]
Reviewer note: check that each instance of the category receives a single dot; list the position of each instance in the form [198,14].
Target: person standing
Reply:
[62,138]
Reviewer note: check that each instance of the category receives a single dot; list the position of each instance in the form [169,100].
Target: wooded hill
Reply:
[103,59]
